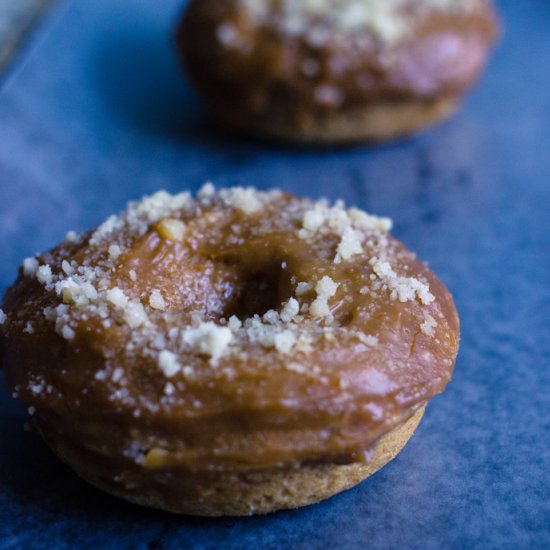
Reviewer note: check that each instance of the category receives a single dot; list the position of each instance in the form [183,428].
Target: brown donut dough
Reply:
[228,494]
[334,71]
[236,353]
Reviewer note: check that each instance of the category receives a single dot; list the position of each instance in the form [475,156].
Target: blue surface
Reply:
[94,113]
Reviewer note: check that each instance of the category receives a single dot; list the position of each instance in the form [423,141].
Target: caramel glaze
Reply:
[263,77]
[249,412]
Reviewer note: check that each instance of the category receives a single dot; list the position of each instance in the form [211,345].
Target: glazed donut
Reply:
[234,353]
[332,71]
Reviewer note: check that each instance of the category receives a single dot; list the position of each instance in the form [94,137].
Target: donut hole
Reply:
[262,289]
[259,294]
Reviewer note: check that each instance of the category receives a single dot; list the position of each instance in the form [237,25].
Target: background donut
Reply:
[334,71]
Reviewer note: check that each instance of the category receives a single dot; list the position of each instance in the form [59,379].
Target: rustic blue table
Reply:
[93,113]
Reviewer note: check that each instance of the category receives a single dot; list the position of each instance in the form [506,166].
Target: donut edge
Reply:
[374,123]
[248,494]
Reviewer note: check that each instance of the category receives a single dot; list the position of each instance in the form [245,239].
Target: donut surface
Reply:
[190,345]
[334,70]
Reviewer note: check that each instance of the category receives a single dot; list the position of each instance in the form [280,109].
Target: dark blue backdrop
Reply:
[94,113]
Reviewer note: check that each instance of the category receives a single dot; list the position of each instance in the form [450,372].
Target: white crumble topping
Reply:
[244,199]
[429,324]
[168,363]
[208,339]
[296,367]
[403,288]
[325,288]
[304,344]
[290,310]
[317,20]
[37,387]
[313,219]
[44,274]
[319,308]
[134,314]
[114,251]
[117,375]
[81,293]
[171,229]
[30,266]
[228,35]
[365,221]
[110,225]
[140,215]
[284,341]
[67,267]
[188,371]
[271,316]
[185,343]
[156,301]
[206,191]
[352,226]
[351,244]
[234,323]
[100,375]
[158,206]
[135,451]
[367,339]
[67,332]
[117,298]
[71,236]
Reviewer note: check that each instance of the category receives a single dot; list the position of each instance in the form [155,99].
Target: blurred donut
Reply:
[332,71]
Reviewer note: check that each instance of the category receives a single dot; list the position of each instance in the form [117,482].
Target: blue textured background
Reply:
[94,113]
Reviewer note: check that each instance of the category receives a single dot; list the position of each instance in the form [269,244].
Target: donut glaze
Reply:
[302,70]
[237,332]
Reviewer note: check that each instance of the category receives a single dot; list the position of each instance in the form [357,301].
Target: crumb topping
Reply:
[103,284]
[429,324]
[349,245]
[71,236]
[245,200]
[325,288]
[207,339]
[156,301]
[168,363]
[388,21]
[171,229]
[290,310]
[44,274]
[402,288]
[30,266]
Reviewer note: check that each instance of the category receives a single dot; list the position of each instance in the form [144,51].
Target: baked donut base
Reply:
[241,494]
[372,123]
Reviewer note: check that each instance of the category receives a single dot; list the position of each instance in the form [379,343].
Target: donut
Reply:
[334,71]
[233,353]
